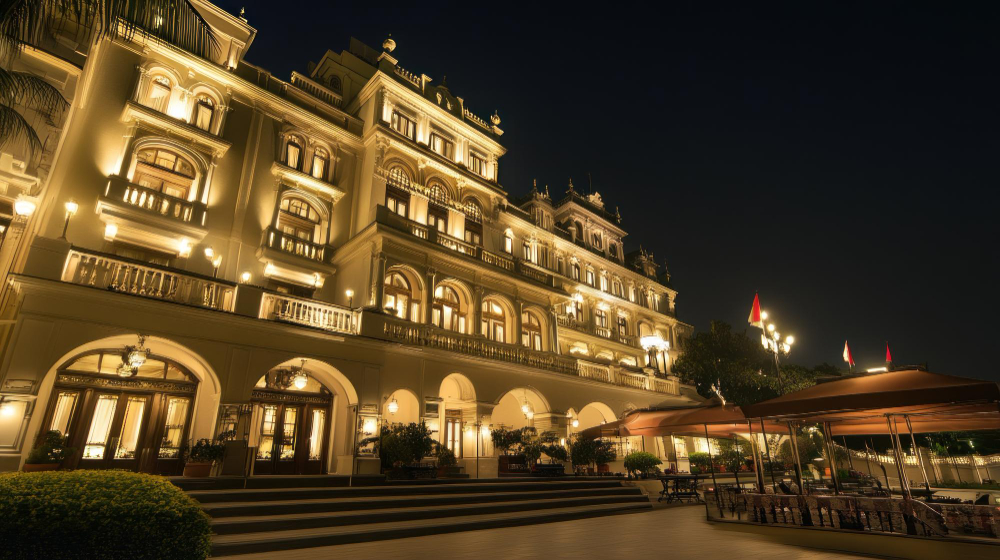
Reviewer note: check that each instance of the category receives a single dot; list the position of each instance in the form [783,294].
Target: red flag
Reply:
[754,318]
[847,355]
[888,356]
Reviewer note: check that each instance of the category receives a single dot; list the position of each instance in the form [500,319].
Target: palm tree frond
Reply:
[15,130]
[173,21]
[25,88]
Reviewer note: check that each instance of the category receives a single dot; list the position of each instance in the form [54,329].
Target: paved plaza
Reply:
[675,532]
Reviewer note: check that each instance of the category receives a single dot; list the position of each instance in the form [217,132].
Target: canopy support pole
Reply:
[898,453]
[770,463]
[850,461]
[711,468]
[798,462]
[831,454]
[920,457]
[755,451]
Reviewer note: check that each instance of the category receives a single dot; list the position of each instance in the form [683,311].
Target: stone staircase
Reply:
[281,513]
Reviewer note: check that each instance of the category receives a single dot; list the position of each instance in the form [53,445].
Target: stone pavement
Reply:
[672,532]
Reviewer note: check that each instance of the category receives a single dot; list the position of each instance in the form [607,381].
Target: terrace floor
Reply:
[666,532]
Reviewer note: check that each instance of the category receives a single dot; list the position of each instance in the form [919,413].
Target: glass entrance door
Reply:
[114,438]
[453,431]
[291,439]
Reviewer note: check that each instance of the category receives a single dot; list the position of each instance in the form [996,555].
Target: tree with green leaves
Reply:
[25,22]
[734,365]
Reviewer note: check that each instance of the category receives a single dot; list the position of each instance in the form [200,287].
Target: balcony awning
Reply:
[719,420]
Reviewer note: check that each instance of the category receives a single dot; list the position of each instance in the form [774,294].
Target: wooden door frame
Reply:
[306,403]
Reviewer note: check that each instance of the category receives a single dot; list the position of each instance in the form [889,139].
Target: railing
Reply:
[496,260]
[858,514]
[668,386]
[594,371]
[120,275]
[529,270]
[434,337]
[455,244]
[633,380]
[119,189]
[407,75]
[287,309]
[316,90]
[603,332]
[274,238]
[470,116]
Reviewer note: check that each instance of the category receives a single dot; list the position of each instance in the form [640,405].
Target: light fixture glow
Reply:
[25,206]
[209,253]
[576,423]
[300,381]
[6,410]
[217,261]
[349,293]
[71,207]
[184,249]
[770,327]
[789,339]
[763,315]
[110,231]
[246,277]
[393,406]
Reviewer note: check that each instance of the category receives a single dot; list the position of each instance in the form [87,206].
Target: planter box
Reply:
[197,470]
[40,467]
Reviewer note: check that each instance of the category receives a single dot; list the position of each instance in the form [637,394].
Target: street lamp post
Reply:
[770,338]
[71,208]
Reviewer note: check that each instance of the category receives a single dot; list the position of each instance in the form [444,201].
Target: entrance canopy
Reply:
[719,420]
[933,402]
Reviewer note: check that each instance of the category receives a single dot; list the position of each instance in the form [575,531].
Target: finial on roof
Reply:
[534,186]
[243,13]
[389,45]
[618,215]
[546,190]
[570,185]
[444,81]
[495,119]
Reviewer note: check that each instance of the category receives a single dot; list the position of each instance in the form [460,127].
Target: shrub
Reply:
[700,460]
[205,451]
[52,450]
[445,456]
[99,514]
[402,444]
[641,463]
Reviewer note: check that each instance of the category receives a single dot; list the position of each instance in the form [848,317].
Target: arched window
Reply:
[631,294]
[321,163]
[334,81]
[164,171]
[494,321]
[590,277]
[616,288]
[204,112]
[622,325]
[526,250]
[473,223]
[298,218]
[398,297]
[293,152]
[399,177]
[576,272]
[508,242]
[579,231]
[437,213]
[601,323]
[597,240]
[604,282]
[158,97]
[446,311]
[531,331]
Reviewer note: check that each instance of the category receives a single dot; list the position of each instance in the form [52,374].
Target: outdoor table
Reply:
[680,487]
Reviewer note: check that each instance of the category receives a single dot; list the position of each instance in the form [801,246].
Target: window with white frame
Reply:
[320,164]
[442,146]
[293,152]
[508,242]
[164,171]
[590,277]
[477,164]
[404,125]
[531,331]
[158,97]
[494,321]
[204,112]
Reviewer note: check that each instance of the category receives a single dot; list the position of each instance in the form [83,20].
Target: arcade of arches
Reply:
[299,417]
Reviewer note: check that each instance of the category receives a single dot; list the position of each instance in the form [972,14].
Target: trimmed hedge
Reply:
[99,514]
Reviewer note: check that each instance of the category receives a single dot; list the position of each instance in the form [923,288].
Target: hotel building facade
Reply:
[206,250]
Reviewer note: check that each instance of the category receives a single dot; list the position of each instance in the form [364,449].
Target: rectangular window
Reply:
[622,326]
[63,414]
[319,167]
[128,440]
[396,205]
[203,116]
[173,429]
[403,125]
[292,155]
[316,435]
[473,237]
[590,277]
[604,283]
[288,434]
[100,427]
[477,164]
[441,146]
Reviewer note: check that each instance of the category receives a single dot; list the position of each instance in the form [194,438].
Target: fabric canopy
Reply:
[720,420]
[860,405]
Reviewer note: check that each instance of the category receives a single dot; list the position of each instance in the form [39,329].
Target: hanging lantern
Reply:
[393,406]
[300,381]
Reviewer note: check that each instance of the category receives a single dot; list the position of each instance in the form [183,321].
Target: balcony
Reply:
[293,258]
[164,123]
[619,375]
[386,327]
[303,180]
[309,313]
[116,274]
[150,218]
[524,268]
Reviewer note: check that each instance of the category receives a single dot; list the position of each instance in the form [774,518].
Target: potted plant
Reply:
[640,463]
[511,444]
[700,462]
[582,453]
[200,457]
[446,461]
[49,454]
[604,453]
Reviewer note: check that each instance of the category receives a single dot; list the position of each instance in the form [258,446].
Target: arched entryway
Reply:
[458,401]
[296,408]
[129,403]
[518,407]
[401,407]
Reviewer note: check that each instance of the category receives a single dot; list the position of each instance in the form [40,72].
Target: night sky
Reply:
[838,159]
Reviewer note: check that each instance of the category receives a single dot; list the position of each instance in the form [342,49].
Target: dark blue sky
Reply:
[840,159]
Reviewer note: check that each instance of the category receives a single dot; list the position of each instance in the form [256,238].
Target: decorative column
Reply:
[478,313]
[518,306]
[378,280]
[429,295]
[554,330]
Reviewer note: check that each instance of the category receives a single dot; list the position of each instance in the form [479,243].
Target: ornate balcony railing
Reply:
[594,371]
[618,375]
[155,202]
[112,273]
[274,238]
[287,309]
[428,335]
[497,260]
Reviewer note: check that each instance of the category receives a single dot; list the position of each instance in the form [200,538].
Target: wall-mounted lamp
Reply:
[350,297]
[71,208]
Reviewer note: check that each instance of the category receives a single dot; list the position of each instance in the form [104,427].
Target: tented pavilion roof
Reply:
[933,402]
[719,420]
